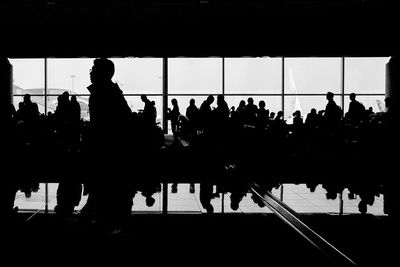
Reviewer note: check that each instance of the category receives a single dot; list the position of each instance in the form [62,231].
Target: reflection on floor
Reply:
[298,197]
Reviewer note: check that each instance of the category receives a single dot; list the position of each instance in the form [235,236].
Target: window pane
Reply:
[195,75]
[28,76]
[312,75]
[305,104]
[365,75]
[68,74]
[139,75]
[253,75]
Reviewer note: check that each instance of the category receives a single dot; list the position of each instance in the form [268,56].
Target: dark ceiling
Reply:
[74,28]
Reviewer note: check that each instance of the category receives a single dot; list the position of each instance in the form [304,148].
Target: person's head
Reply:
[174,102]
[27,98]
[192,102]
[261,104]
[65,95]
[73,98]
[329,96]
[210,99]
[150,201]
[272,115]
[352,96]
[313,111]
[250,101]
[102,71]
[242,103]
[388,102]
[144,98]
[234,205]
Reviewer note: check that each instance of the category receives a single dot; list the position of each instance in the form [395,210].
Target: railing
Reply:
[290,218]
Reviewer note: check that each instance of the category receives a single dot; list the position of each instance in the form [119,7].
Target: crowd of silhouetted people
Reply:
[223,146]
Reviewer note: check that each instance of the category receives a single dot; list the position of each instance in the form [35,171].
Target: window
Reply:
[365,75]
[253,75]
[312,75]
[139,75]
[68,74]
[195,75]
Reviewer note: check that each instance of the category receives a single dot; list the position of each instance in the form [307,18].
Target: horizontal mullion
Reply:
[184,94]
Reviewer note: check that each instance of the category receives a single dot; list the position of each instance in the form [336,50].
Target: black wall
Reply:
[37,28]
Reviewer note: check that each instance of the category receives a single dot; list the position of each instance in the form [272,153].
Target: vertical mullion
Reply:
[165,128]
[341,203]
[342,103]
[283,87]
[223,93]
[342,84]
[165,94]
[46,189]
[223,76]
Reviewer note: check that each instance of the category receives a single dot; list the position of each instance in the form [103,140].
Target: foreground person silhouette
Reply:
[110,197]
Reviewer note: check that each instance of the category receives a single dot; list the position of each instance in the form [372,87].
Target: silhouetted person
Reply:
[222,110]
[297,120]
[262,115]
[206,113]
[173,116]
[272,115]
[250,112]
[332,114]
[241,111]
[110,195]
[356,113]
[192,114]
[149,111]
[312,119]
[30,109]
[206,195]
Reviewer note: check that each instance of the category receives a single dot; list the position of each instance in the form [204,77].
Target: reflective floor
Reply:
[296,196]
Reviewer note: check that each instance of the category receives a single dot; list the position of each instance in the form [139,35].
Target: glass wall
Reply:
[286,84]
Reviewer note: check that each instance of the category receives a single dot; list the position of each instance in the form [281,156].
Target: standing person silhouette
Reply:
[356,113]
[173,115]
[109,197]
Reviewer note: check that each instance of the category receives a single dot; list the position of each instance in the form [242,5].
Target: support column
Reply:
[390,162]
[392,89]
[6,87]
[9,187]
